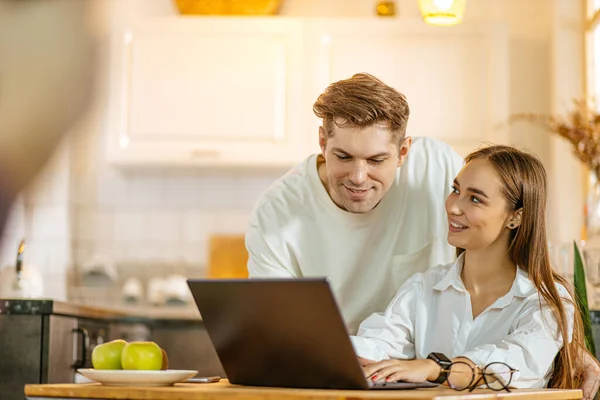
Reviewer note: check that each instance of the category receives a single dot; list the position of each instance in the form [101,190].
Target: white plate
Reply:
[122,377]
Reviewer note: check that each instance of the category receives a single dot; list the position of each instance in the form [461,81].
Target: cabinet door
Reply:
[60,349]
[455,79]
[207,91]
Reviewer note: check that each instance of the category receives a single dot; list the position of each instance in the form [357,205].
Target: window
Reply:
[592,39]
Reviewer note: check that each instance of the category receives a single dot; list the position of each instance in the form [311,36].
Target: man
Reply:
[368,212]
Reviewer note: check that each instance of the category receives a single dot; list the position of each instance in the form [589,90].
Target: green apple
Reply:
[108,355]
[142,356]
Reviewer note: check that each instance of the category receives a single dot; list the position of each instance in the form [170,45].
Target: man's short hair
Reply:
[362,101]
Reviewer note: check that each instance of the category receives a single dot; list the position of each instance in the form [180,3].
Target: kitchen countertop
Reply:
[129,313]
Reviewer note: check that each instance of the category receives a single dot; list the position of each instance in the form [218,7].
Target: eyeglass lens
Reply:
[460,376]
[497,376]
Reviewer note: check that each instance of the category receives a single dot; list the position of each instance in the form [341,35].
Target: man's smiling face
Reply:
[360,165]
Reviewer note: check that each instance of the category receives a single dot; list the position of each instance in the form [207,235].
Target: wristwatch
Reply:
[444,363]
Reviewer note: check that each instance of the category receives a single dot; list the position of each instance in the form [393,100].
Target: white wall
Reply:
[567,179]
[167,215]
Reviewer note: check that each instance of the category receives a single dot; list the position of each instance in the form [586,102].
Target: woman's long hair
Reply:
[525,186]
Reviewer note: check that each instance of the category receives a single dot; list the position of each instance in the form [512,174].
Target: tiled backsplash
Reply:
[83,207]
[163,230]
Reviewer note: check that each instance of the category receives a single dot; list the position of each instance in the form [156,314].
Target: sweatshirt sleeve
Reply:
[267,258]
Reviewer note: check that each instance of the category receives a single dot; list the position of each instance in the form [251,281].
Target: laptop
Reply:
[281,333]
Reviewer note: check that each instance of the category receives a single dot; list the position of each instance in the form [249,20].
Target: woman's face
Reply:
[478,214]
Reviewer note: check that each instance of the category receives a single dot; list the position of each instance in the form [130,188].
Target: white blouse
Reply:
[432,312]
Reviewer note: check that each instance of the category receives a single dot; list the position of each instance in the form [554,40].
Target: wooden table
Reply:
[224,390]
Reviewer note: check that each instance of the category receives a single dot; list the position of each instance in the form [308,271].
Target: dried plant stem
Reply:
[581,127]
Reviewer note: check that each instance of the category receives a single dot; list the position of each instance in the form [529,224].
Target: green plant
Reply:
[582,300]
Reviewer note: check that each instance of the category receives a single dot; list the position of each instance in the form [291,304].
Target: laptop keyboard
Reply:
[401,385]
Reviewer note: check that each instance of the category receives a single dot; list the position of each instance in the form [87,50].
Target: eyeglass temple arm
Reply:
[476,383]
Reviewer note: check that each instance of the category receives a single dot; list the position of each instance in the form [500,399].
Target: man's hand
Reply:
[402,370]
[591,376]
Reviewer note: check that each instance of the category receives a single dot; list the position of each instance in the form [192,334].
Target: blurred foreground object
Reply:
[46,80]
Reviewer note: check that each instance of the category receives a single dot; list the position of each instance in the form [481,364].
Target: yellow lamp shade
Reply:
[442,12]
[228,7]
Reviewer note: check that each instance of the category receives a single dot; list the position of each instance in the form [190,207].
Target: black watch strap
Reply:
[444,363]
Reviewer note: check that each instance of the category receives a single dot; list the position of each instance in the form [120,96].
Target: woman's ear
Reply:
[516,219]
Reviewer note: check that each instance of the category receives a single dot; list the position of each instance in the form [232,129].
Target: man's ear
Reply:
[403,150]
[322,140]
[516,219]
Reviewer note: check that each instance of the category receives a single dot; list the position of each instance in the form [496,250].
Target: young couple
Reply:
[369,213]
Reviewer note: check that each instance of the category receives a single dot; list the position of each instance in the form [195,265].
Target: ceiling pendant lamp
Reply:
[442,12]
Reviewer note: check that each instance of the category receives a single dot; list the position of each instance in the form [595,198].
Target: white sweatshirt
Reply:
[296,230]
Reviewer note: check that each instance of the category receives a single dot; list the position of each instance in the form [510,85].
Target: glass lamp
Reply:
[442,12]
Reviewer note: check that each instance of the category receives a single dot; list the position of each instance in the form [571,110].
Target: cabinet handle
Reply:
[80,362]
[204,153]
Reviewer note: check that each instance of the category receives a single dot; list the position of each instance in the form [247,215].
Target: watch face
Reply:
[442,358]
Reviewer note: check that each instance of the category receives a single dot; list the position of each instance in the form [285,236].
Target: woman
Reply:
[500,301]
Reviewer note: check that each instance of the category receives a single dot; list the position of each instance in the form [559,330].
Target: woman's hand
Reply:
[591,376]
[402,370]
[364,362]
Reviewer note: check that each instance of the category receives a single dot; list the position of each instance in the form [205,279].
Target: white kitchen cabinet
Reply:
[239,91]
[207,91]
[456,79]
